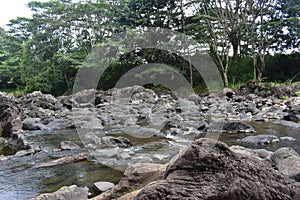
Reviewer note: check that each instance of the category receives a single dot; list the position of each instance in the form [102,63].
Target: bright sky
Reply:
[11,9]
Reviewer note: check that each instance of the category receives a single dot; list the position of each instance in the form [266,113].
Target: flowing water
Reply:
[20,180]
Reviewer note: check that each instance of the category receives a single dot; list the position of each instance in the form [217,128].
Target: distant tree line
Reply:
[252,39]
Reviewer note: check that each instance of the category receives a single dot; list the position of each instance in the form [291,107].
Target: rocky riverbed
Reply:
[134,125]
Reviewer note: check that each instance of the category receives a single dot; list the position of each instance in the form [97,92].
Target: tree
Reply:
[10,58]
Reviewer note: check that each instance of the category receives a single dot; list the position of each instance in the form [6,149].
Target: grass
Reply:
[12,92]
[236,85]
[298,93]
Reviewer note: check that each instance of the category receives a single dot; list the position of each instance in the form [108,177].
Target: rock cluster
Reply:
[210,170]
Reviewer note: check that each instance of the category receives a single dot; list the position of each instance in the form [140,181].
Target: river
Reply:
[20,180]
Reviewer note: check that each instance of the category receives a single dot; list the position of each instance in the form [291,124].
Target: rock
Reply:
[38,99]
[65,193]
[227,92]
[129,196]
[289,139]
[10,116]
[208,169]
[260,139]
[135,177]
[287,161]
[68,145]
[109,141]
[32,124]
[3,158]
[257,153]
[103,186]
[23,153]
[11,124]
[237,127]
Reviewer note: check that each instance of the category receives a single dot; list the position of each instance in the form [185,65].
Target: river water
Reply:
[20,180]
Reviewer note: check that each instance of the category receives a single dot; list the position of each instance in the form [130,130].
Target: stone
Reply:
[289,139]
[237,127]
[260,139]
[68,145]
[208,169]
[109,141]
[135,177]
[65,193]
[32,124]
[257,153]
[23,153]
[103,186]
[10,116]
[287,161]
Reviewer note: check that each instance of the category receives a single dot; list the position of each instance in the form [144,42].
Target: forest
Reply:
[252,39]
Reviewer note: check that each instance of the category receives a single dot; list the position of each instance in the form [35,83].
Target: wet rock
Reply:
[135,177]
[65,193]
[257,153]
[32,124]
[208,169]
[109,141]
[237,127]
[23,153]
[287,161]
[103,186]
[260,139]
[289,139]
[68,145]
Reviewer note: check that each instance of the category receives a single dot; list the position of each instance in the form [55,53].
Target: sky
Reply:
[11,9]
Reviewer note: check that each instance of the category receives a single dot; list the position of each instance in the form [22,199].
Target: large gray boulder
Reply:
[287,161]
[135,177]
[208,169]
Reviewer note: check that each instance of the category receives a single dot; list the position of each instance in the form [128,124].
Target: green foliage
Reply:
[283,68]
[240,71]
[44,52]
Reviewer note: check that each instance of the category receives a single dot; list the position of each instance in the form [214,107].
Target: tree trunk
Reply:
[225,75]
[254,67]
[235,45]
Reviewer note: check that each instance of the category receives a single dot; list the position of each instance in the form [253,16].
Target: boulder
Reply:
[287,161]
[103,186]
[11,124]
[258,153]
[135,177]
[237,127]
[260,139]
[208,169]
[10,116]
[65,193]
[109,141]
[68,145]
[38,99]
